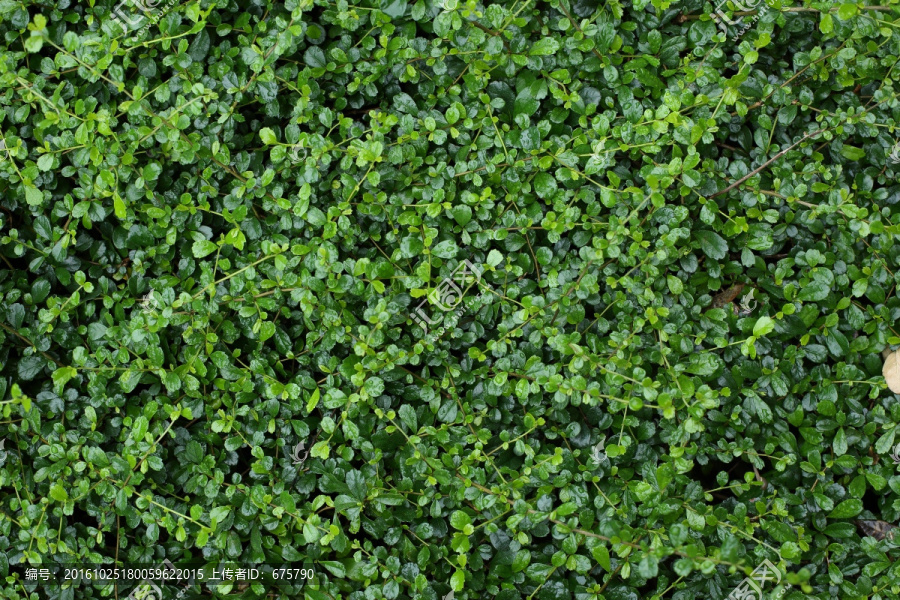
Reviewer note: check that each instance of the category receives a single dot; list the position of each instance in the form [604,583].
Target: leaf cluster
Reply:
[217,225]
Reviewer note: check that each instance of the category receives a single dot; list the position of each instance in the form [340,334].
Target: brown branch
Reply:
[585,533]
[575,24]
[30,343]
[727,147]
[767,163]
[793,9]
[836,8]
[793,77]
[492,32]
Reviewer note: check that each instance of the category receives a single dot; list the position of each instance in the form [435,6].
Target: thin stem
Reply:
[768,162]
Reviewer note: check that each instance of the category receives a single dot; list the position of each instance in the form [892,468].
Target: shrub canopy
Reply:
[219,220]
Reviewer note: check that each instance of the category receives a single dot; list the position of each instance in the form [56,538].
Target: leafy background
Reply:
[288,181]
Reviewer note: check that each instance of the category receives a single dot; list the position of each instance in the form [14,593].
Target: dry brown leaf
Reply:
[878,529]
[727,296]
[891,371]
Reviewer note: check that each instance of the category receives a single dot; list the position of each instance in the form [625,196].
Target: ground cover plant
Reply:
[452,300]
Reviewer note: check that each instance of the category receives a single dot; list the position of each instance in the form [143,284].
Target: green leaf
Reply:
[31,366]
[847,11]
[521,560]
[846,509]
[408,416]
[575,314]
[445,249]
[452,115]
[194,452]
[837,343]
[266,330]
[787,114]
[544,185]
[814,291]
[202,248]
[95,456]
[674,284]
[139,236]
[58,493]
[545,47]
[692,178]
[34,43]
[313,401]
[840,443]
[763,326]
[172,381]
[33,196]
[268,136]
[411,246]
[885,442]
[780,532]
[712,244]
[852,152]
[314,57]
[648,567]
[494,258]
[320,450]
[458,580]
[119,206]
[139,428]
[336,568]
[236,238]
[199,47]
[526,104]
[544,255]
[447,412]
[462,214]
[840,530]
[601,555]
[61,376]
[151,171]
[15,315]
[531,138]
[43,228]
[202,538]
[459,519]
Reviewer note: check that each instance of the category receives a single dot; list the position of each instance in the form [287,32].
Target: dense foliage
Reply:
[218,223]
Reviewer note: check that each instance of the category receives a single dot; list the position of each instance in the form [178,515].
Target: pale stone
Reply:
[891,371]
